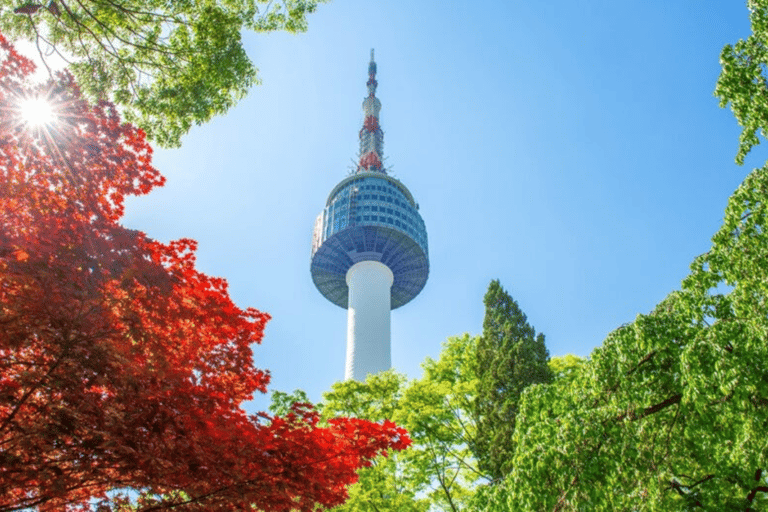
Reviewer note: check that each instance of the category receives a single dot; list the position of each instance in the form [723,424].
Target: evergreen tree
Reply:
[510,357]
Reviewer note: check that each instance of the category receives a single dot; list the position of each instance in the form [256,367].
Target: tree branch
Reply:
[653,409]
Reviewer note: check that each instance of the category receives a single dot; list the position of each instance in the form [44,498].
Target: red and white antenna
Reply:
[371,136]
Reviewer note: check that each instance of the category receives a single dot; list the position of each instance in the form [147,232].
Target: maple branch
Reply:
[40,500]
[34,388]
[113,52]
[152,49]
[455,454]
[705,479]
[463,462]
[650,355]
[133,13]
[37,45]
[108,30]
[196,499]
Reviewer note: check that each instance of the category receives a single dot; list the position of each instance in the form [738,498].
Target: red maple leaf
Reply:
[123,366]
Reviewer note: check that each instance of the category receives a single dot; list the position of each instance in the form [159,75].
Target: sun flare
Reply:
[37,111]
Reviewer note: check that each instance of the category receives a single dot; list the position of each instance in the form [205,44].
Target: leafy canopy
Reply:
[167,64]
[122,367]
[670,413]
[742,83]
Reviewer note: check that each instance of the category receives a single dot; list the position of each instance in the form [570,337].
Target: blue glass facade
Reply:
[370,216]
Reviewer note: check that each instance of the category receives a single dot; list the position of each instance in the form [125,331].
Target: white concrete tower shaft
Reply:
[368,319]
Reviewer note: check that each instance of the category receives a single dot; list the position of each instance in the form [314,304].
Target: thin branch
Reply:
[34,388]
[653,409]
[37,45]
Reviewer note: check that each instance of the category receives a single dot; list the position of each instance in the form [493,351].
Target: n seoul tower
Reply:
[369,248]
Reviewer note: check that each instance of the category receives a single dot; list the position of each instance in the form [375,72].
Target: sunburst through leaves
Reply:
[37,111]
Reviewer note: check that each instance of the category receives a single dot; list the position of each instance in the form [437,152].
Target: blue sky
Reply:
[573,150]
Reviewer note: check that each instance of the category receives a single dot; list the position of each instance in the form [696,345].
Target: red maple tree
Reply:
[123,368]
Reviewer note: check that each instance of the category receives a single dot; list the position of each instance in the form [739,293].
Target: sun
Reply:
[37,111]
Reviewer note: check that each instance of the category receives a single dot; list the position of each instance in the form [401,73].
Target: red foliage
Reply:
[121,365]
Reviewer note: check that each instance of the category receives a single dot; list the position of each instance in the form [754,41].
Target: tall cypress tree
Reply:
[510,357]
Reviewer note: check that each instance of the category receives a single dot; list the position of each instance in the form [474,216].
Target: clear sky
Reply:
[573,150]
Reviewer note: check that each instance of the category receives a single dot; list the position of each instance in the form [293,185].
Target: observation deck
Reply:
[370,216]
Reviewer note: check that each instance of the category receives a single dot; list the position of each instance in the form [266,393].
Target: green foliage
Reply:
[671,412]
[437,411]
[168,64]
[437,472]
[510,357]
[566,366]
[742,82]
[281,403]
[392,482]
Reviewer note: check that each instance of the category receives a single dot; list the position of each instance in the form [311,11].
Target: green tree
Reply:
[391,483]
[671,412]
[437,412]
[567,366]
[510,357]
[167,64]
[742,83]
[438,471]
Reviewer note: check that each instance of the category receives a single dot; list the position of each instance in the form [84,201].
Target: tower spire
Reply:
[371,136]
